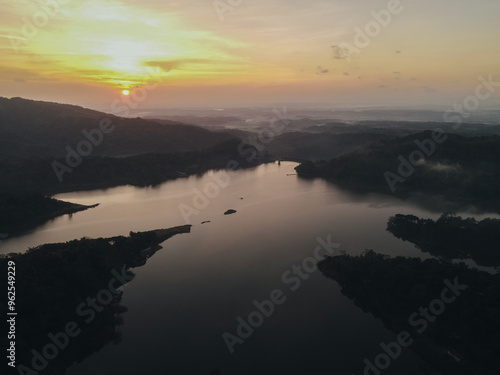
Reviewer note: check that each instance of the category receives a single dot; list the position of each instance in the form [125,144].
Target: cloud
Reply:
[321,71]
[175,64]
[8,73]
[340,53]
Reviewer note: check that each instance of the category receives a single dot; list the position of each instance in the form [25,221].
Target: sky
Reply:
[193,53]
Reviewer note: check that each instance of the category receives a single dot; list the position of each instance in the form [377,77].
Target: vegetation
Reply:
[302,145]
[55,279]
[451,236]
[19,212]
[403,128]
[34,135]
[35,129]
[102,172]
[463,170]
[392,289]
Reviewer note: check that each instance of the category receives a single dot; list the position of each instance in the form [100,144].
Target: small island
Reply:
[230,212]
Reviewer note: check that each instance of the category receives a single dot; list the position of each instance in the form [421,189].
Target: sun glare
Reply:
[125,92]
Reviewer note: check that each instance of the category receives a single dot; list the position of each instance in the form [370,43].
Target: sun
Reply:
[125,92]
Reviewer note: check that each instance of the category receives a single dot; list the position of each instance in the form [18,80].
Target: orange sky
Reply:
[205,53]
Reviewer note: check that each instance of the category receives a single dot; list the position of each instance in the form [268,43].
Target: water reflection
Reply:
[193,291]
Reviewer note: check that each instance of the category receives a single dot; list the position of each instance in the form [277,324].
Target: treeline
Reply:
[22,211]
[463,170]
[394,289]
[36,129]
[55,281]
[311,146]
[97,172]
[451,236]
[403,128]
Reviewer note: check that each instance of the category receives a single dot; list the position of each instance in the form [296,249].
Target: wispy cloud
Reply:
[107,43]
[321,71]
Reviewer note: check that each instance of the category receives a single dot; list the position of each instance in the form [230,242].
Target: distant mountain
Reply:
[36,129]
[403,128]
[207,121]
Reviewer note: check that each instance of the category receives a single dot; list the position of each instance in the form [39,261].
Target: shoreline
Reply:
[70,281]
[27,227]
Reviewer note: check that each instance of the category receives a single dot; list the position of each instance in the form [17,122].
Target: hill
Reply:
[64,279]
[464,170]
[301,145]
[97,172]
[460,336]
[36,129]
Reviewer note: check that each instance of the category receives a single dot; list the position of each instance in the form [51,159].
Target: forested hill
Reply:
[96,172]
[35,129]
[465,170]
[61,280]
[464,340]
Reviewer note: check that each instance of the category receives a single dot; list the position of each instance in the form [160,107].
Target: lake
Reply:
[193,290]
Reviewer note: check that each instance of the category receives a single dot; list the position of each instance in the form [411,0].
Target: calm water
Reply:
[192,291]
